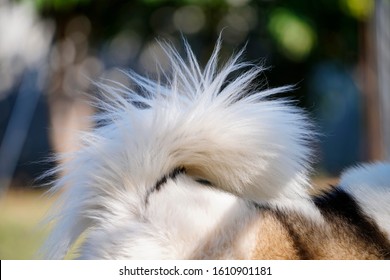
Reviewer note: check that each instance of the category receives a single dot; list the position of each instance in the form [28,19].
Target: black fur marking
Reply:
[299,245]
[338,202]
[157,187]
[203,182]
[159,183]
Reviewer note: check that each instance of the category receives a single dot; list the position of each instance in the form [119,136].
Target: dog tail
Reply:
[369,185]
[212,122]
[215,124]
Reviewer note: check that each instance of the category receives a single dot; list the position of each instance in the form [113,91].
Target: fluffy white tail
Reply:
[212,122]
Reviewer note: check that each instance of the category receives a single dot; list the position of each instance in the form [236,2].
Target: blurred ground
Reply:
[20,230]
[21,213]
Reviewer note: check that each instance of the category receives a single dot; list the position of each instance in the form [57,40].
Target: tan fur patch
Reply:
[290,236]
[273,240]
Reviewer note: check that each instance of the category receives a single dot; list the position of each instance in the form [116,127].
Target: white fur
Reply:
[178,223]
[210,122]
[369,184]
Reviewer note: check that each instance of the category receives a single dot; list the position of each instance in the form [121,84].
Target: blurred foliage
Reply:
[57,4]
[360,9]
[295,33]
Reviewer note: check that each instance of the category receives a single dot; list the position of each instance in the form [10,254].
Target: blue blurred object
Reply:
[24,140]
[337,99]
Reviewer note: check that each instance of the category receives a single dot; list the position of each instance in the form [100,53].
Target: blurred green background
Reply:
[50,50]
[21,232]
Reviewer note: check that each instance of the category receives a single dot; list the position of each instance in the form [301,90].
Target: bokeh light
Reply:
[360,9]
[294,35]
[189,19]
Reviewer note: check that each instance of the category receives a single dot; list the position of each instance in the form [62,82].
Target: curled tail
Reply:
[210,122]
[213,123]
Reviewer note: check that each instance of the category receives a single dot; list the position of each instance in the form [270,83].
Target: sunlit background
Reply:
[335,52]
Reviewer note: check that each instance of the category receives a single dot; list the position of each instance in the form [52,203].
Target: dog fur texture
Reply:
[205,166]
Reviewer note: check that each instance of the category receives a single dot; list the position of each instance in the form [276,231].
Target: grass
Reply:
[21,232]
